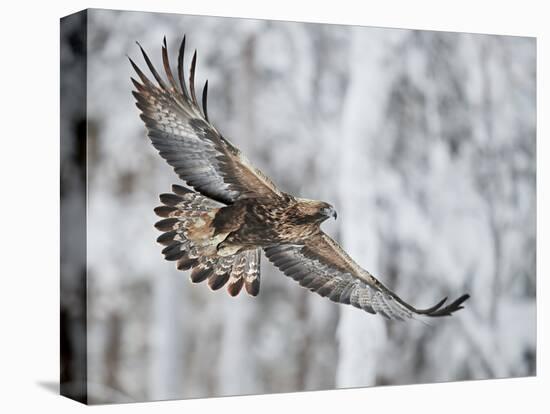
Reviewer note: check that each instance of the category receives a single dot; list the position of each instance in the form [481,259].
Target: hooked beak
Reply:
[330,212]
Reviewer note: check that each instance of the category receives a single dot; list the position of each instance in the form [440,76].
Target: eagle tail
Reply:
[189,240]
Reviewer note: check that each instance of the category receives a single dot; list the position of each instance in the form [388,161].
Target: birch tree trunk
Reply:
[361,338]
[167,337]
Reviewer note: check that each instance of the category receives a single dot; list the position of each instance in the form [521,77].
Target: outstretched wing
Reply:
[323,267]
[185,138]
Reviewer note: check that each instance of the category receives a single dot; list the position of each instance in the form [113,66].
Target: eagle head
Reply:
[314,210]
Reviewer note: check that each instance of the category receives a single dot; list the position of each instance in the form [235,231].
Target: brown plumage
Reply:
[218,229]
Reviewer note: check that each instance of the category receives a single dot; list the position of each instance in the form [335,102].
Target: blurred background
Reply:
[423,141]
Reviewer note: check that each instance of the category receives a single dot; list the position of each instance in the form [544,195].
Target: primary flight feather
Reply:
[232,211]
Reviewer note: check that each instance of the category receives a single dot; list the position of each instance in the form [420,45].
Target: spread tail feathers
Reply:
[190,241]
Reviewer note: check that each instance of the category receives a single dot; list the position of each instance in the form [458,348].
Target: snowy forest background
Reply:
[424,142]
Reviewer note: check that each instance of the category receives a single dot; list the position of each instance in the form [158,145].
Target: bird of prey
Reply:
[228,212]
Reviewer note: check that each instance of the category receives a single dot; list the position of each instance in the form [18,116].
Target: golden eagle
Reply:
[219,228]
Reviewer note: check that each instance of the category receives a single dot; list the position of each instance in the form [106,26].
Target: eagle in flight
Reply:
[229,211]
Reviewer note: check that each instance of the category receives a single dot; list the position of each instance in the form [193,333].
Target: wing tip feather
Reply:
[448,310]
